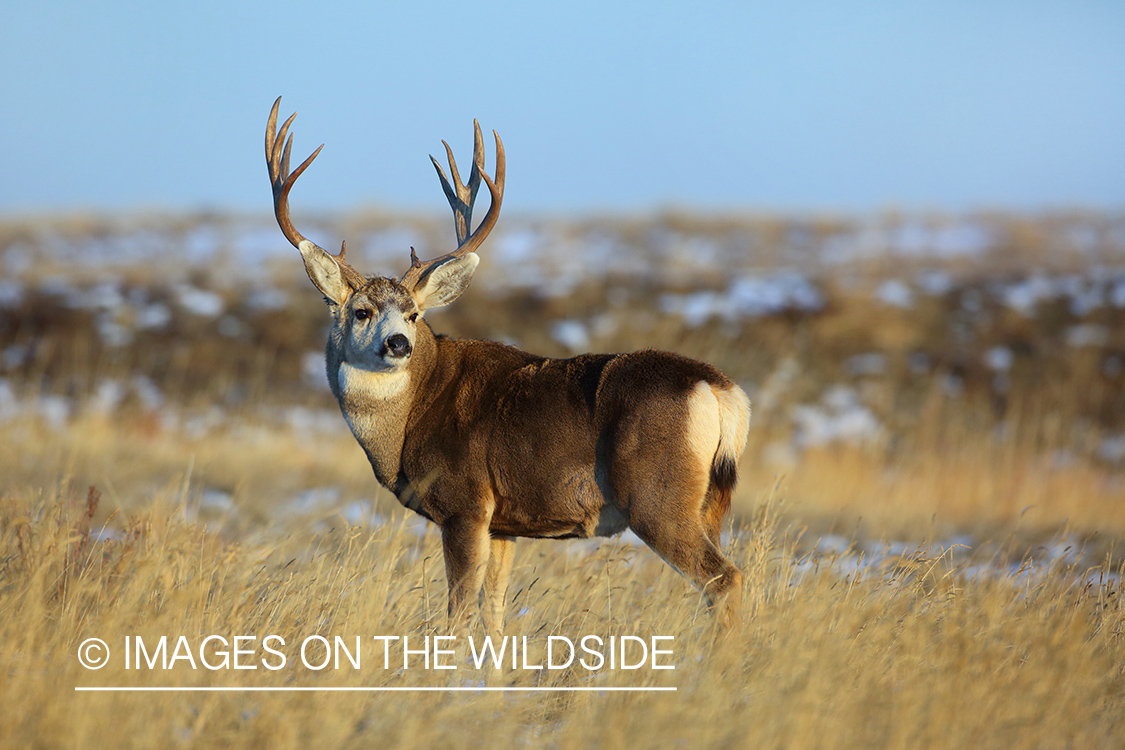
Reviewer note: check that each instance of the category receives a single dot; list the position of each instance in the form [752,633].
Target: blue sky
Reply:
[806,106]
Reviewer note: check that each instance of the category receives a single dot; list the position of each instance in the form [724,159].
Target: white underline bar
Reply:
[372,689]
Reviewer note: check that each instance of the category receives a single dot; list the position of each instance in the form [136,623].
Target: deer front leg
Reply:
[465,543]
[496,583]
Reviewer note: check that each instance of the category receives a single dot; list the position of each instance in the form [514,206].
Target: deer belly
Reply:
[570,507]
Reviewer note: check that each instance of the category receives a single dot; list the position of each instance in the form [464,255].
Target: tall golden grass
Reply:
[915,651]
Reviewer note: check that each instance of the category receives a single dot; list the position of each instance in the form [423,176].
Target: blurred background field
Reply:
[929,517]
[913,377]
[931,507]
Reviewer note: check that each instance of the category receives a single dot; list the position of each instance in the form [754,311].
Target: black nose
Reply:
[397,346]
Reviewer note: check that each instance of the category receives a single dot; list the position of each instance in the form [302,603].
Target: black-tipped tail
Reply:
[724,473]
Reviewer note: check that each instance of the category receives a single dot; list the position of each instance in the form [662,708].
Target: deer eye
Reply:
[362,314]
[413,318]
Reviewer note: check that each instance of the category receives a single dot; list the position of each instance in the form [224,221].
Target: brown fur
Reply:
[492,443]
[499,442]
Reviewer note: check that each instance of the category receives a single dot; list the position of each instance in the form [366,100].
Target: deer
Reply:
[492,443]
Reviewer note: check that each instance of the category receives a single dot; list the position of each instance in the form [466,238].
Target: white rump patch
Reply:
[734,415]
[718,422]
[703,423]
[357,384]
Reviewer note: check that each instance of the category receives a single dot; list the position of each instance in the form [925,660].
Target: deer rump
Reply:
[579,447]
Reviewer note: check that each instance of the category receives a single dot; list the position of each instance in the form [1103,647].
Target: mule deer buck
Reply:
[491,443]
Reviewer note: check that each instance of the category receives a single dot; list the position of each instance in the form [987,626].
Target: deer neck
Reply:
[377,405]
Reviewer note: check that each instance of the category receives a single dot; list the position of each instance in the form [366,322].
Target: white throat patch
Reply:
[359,384]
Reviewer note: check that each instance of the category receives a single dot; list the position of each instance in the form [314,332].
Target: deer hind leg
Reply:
[715,508]
[674,506]
[687,548]
[496,577]
[667,511]
[465,543]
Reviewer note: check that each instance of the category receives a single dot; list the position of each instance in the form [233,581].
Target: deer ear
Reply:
[445,282]
[325,273]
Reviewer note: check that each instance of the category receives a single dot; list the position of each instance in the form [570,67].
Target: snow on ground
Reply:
[747,296]
[999,358]
[11,294]
[571,334]
[200,302]
[839,417]
[895,293]
[556,254]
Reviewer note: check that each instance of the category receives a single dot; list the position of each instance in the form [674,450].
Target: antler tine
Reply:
[277,163]
[495,191]
[461,198]
[278,150]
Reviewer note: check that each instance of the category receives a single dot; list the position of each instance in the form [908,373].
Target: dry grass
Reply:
[913,652]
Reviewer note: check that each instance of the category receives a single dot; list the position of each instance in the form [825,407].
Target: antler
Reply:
[277,161]
[461,198]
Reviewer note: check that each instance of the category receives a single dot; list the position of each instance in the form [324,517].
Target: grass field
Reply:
[929,518]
